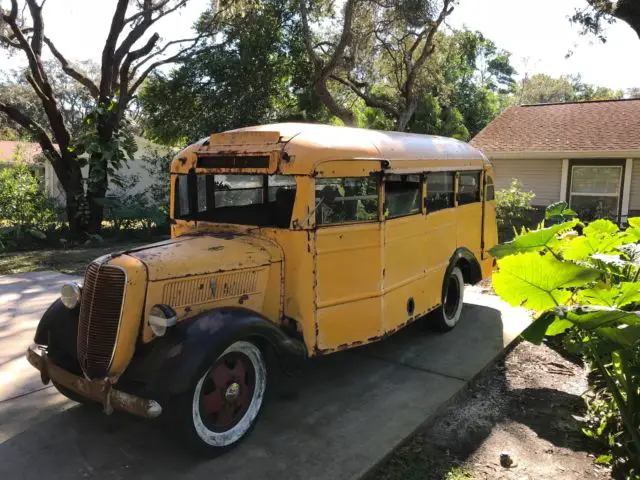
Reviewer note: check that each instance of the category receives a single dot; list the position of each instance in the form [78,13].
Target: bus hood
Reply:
[191,255]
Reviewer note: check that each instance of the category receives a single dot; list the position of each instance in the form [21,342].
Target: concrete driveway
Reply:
[336,419]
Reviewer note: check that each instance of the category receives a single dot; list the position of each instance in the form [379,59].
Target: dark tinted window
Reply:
[344,200]
[468,187]
[491,194]
[402,194]
[259,200]
[439,190]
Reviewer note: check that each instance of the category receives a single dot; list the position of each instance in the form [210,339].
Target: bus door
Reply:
[469,211]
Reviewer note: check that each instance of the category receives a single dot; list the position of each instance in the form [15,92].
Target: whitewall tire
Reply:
[224,404]
[448,315]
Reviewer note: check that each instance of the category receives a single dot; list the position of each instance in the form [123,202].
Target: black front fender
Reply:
[58,328]
[171,364]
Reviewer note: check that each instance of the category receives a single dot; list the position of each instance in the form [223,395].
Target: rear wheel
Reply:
[224,404]
[448,315]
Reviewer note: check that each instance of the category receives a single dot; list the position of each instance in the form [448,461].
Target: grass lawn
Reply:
[72,260]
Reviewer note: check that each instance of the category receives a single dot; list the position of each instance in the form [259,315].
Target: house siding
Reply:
[543,177]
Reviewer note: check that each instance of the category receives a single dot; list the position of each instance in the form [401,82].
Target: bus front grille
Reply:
[100,310]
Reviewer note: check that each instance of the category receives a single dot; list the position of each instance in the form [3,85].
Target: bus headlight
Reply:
[161,317]
[70,295]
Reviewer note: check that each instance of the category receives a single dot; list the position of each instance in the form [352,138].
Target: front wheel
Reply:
[447,316]
[222,407]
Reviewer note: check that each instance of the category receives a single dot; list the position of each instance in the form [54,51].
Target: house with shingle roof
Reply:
[31,153]
[585,153]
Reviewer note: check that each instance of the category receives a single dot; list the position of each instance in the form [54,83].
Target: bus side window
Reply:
[440,191]
[346,200]
[402,195]
[468,187]
[491,194]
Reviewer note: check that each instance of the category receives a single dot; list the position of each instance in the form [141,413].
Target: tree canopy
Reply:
[541,88]
[259,69]
[256,74]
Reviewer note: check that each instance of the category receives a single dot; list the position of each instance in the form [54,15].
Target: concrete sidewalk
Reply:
[334,420]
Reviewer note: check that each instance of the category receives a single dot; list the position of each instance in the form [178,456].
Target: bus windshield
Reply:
[260,200]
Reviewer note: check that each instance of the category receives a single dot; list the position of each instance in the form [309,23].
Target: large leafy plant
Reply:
[583,280]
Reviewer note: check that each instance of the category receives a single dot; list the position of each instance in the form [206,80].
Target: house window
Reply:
[595,190]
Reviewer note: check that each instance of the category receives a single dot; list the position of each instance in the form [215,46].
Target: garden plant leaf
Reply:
[539,282]
[532,241]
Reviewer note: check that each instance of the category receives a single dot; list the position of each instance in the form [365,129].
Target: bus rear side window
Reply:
[468,187]
[491,193]
[440,191]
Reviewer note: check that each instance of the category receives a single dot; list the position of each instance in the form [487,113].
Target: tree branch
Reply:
[428,47]
[108,52]
[37,76]
[345,38]
[370,100]
[34,64]
[172,59]
[72,72]
[141,13]
[160,51]
[132,57]
[147,20]
[7,41]
[306,36]
[38,26]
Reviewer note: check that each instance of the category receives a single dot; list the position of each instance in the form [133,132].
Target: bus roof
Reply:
[308,145]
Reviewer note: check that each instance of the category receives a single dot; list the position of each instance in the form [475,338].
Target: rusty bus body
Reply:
[303,239]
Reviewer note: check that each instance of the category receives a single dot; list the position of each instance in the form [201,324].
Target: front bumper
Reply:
[101,391]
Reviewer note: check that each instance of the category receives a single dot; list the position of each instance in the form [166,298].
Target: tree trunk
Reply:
[97,186]
[77,208]
[334,107]
[406,114]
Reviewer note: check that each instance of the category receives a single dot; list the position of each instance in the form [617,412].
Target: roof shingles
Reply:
[11,151]
[565,127]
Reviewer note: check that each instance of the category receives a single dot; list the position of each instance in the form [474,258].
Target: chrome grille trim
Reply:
[98,330]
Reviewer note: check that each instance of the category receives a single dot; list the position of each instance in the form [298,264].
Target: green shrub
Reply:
[513,207]
[25,211]
[584,280]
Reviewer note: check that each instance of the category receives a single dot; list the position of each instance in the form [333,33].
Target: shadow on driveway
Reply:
[335,419]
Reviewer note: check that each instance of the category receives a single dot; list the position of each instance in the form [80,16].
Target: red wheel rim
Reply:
[227,391]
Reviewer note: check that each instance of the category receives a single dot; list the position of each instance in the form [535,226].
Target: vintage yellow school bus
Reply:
[298,239]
